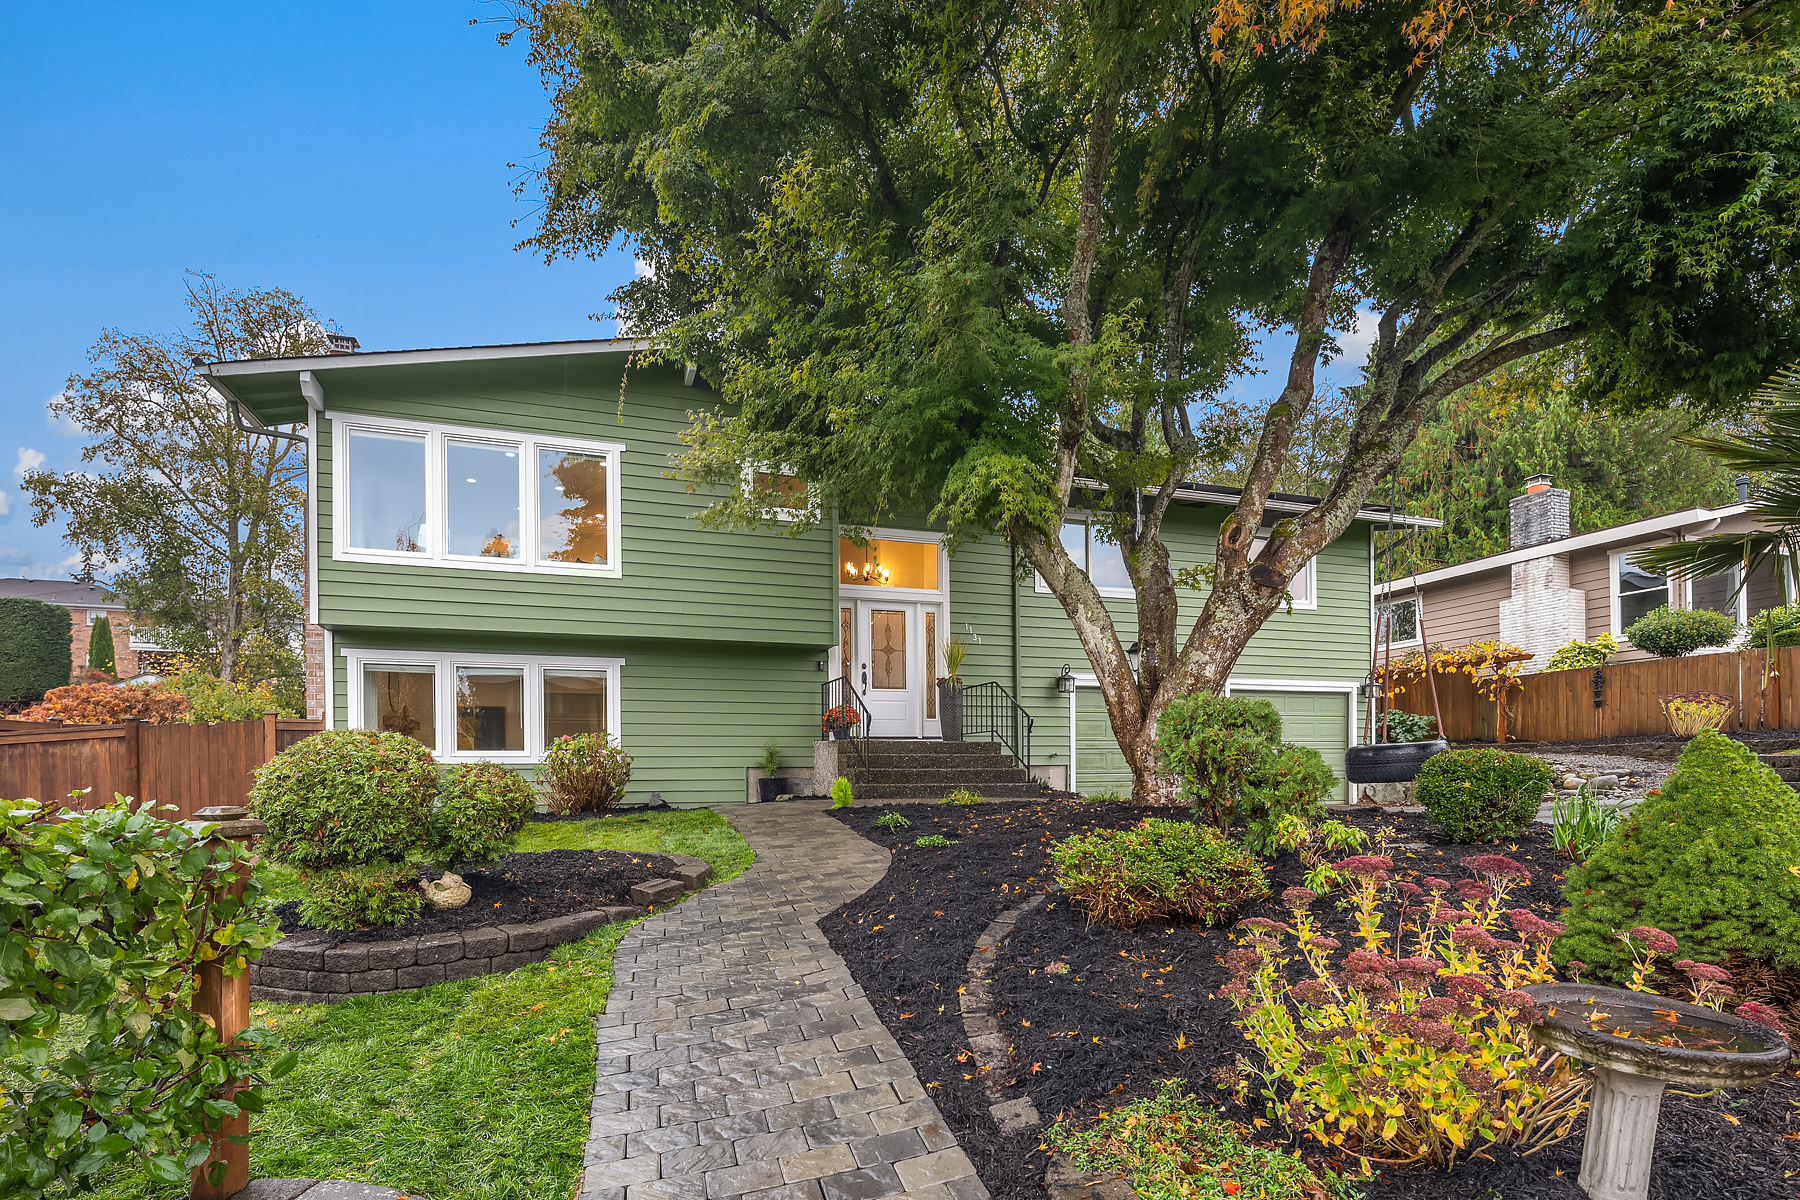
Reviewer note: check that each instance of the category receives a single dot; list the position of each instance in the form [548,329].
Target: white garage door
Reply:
[1320,720]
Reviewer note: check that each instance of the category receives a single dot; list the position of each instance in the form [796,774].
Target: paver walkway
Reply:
[738,1058]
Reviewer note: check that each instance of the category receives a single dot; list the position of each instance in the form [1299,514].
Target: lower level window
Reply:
[496,706]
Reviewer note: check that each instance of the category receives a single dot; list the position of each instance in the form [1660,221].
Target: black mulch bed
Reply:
[520,888]
[1106,1031]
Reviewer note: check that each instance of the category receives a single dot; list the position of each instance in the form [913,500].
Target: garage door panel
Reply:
[1099,763]
[1320,720]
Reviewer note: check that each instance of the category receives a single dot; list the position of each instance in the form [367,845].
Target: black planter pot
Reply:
[840,735]
[779,785]
[950,712]
[1389,762]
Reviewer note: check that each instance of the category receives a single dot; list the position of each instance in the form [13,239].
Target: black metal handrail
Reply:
[836,695]
[989,709]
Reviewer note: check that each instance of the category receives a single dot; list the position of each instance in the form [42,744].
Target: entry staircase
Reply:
[1785,765]
[914,769]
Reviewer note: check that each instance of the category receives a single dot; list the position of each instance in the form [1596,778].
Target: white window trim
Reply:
[445,664]
[1418,624]
[1086,519]
[865,591]
[784,515]
[1303,587]
[437,502]
[1616,560]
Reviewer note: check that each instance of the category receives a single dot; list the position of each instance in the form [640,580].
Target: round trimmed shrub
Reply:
[1672,632]
[345,797]
[1156,869]
[359,897]
[1228,753]
[479,811]
[584,773]
[1482,795]
[1708,859]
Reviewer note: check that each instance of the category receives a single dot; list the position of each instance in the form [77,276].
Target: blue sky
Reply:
[355,155]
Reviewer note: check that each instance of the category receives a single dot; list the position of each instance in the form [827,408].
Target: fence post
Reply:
[226,1001]
[134,763]
[269,736]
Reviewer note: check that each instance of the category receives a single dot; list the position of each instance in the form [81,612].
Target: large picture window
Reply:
[504,707]
[486,499]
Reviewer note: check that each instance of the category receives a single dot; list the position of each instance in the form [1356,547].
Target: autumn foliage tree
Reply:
[987,260]
[202,521]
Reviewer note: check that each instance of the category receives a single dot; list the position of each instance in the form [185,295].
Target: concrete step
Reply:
[942,749]
[915,791]
[949,776]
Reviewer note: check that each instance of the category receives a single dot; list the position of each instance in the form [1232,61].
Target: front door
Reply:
[889,666]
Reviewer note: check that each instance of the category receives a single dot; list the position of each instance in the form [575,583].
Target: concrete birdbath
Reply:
[1637,1044]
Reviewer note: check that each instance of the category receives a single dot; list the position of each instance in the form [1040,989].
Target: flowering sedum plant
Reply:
[1411,1047]
[109,915]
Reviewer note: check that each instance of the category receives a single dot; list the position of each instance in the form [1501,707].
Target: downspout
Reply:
[1012,581]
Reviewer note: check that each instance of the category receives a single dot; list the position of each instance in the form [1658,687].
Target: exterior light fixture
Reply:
[1065,683]
[1131,653]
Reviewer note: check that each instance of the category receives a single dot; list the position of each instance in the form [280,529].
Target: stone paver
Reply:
[737,1058]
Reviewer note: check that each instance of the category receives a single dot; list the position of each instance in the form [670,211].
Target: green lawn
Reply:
[475,1089]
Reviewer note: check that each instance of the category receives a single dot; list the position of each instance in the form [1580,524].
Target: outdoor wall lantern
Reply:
[1065,683]
[1131,653]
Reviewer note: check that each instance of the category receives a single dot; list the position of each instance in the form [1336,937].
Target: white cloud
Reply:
[643,268]
[63,426]
[12,554]
[5,504]
[29,460]
[1356,341]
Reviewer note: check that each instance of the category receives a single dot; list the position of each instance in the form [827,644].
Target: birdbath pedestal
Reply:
[1670,1041]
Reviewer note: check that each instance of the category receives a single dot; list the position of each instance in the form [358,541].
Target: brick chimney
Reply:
[1540,515]
[341,343]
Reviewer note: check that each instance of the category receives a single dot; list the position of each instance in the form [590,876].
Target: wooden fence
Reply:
[188,766]
[1626,701]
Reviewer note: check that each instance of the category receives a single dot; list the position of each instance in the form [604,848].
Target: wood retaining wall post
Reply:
[134,763]
[226,1001]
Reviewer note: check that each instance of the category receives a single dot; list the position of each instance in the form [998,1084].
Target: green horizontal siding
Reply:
[679,580]
[692,717]
[1316,719]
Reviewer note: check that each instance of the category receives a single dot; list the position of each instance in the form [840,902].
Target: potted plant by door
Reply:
[773,783]
[949,688]
[839,722]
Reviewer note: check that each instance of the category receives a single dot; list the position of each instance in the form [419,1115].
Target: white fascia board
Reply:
[1648,527]
[401,358]
[1229,499]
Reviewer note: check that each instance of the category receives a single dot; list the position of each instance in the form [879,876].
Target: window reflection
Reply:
[574,703]
[484,499]
[387,492]
[490,709]
[572,507]
[401,699]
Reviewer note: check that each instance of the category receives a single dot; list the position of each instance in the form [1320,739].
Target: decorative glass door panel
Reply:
[887,649]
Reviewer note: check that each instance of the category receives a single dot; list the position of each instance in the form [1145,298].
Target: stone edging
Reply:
[309,968]
[992,1049]
[1065,1181]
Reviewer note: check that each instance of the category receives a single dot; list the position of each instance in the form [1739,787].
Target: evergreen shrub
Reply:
[1710,859]
[479,811]
[1482,795]
[841,795]
[1157,869]
[1403,726]
[344,798]
[100,646]
[1672,632]
[584,773]
[1228,753]
[359,897]
[1780,625]
[35,653]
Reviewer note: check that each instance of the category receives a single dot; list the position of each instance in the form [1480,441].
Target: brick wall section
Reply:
[315,672]
[1538,517]
[310,968]
[124,657]
[1543,613]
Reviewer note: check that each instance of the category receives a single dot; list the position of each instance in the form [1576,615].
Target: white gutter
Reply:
[1703,519]
[402,358]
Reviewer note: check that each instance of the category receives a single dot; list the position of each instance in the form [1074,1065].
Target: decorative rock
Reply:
[1065,1181]
[1603,783]
[657,891]
[1571,783]
[693,872]
[448,892]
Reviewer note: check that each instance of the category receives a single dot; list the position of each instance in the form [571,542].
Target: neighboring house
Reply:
[1552,588]
[87,603]
[500,556]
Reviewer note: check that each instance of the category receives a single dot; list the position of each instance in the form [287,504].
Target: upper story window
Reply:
[460,497]
[1102,559]
[778,493]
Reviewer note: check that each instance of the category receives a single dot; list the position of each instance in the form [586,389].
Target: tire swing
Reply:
[1379,760]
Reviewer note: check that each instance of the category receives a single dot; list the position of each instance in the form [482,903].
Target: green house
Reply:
[499,554]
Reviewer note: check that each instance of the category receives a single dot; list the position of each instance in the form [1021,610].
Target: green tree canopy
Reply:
[202,521]
[990,260]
